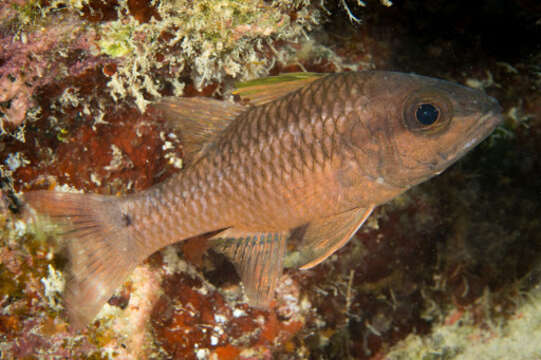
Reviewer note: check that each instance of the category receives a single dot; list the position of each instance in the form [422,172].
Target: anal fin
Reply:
[258,259]
[324,237]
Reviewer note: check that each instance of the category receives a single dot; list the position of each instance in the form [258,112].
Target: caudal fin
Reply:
[101,245]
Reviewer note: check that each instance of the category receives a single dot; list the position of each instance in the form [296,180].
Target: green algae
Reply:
[9,286]
[210,39]
[27,13]
[117,42]
[202,42]
[27,255]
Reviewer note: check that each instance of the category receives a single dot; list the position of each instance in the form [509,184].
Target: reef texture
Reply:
[449,270]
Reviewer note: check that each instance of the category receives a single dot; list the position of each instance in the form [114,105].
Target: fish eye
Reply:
[427,112]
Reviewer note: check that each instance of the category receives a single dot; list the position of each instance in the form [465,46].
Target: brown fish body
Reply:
[318,159]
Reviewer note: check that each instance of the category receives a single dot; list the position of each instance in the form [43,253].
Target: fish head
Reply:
[419,126]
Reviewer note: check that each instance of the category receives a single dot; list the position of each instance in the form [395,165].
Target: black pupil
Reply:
[427,114]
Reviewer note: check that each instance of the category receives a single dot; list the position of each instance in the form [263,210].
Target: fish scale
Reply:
[303,167]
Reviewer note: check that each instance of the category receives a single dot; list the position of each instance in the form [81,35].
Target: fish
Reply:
[284,179]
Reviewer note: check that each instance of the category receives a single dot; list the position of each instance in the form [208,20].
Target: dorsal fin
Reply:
[264,90]
[325,236]
[199,119]
[258,259]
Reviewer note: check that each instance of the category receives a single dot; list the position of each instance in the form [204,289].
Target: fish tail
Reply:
[102,248]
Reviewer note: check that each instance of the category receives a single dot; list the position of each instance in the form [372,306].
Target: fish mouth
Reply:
[479,131]
[484,127]
[492,116]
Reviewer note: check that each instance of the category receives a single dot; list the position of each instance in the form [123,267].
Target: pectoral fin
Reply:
[199,119]
[258,259]
[322,238]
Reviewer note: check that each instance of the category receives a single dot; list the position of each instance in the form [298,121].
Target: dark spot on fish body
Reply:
[127,219]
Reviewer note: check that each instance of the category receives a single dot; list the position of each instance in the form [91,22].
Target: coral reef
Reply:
[147,49]
[460,335]
[447,270]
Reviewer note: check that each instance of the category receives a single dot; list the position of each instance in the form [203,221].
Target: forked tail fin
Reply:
[101,244]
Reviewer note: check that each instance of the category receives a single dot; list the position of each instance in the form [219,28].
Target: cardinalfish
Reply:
[285,180]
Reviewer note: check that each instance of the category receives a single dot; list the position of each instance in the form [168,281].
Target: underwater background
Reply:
[449,270]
